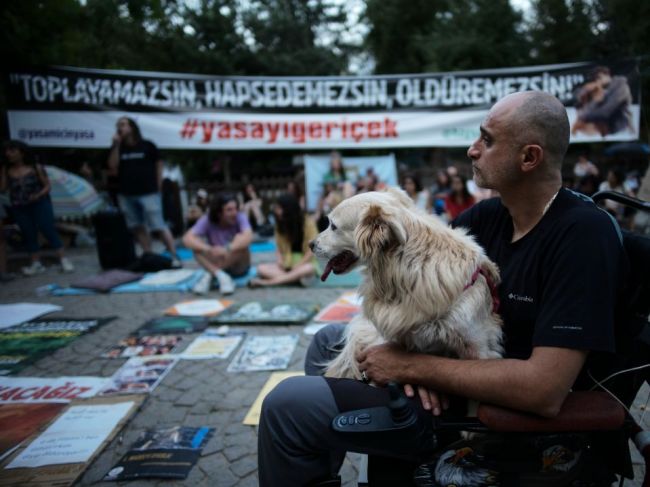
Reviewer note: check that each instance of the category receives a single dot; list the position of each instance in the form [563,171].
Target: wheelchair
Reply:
[587,444]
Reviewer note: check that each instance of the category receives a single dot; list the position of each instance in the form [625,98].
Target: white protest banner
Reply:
[78,107]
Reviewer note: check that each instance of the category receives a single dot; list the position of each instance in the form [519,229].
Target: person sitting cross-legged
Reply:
[220,241]
[293,232]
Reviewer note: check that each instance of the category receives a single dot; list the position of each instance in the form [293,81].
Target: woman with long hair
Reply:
[293,232]
[411,184]
[31,206]
[459,199]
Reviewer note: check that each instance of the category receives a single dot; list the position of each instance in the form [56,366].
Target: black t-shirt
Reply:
[137,171]
[560,281]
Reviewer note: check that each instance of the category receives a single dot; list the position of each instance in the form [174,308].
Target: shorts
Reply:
[143,211]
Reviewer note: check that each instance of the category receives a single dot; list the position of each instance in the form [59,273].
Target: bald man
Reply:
[561,261]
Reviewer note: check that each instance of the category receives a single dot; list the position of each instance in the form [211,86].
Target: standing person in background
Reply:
[459,199]
[411,184]
[438,192]
[584,167]
[293,232]
[296,189]
[138,166]
[225,251]
[31,206]
[251,204]
[337,176]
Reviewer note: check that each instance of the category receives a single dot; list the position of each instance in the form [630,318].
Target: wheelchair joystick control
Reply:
[399,414]
[400,409]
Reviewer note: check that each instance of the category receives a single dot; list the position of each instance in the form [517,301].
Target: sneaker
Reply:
[66,265]
[35,268]
[202,286]
[226,284]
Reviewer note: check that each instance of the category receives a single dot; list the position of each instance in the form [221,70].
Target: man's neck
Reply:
[527,204]
[129,141]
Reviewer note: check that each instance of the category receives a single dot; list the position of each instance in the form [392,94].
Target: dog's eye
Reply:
[332,226]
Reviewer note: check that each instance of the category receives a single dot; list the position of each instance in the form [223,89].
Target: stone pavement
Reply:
[194,393]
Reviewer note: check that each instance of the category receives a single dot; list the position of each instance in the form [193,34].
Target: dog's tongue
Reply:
[326,272]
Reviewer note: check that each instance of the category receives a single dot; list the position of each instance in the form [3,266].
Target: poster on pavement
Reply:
[271,352]
[65,474]
[144,346]
[168,453]
[48,389]
[139,375]
[212,346]
[73,437]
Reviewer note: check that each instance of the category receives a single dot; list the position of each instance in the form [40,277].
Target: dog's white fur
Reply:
[415,283]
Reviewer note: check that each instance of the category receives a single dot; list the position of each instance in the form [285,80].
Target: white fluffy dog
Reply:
[427,287]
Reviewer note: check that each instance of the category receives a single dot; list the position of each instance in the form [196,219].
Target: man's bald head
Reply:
[540,118]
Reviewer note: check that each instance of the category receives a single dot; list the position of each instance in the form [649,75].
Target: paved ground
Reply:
[194,393]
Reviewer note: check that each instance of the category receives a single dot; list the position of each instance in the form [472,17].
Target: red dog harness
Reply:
[491,285]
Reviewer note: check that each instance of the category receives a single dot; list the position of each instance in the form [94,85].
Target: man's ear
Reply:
[532,156]
[378,231]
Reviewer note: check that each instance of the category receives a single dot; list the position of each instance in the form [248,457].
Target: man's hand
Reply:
[117,139]
[383,363]
[217,252]
[431,400]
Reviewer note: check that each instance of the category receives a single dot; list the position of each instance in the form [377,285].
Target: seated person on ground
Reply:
[225,251]
[293,232]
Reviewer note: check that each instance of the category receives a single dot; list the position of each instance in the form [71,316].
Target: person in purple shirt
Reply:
[220,241]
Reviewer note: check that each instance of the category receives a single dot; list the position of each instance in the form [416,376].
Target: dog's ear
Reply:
[378,231]
[401,196]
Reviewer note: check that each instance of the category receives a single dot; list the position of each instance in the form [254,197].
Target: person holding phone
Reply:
[137,164]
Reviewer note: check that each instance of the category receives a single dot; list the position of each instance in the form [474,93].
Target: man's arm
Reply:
[242,240]
[195,243]
[538,385]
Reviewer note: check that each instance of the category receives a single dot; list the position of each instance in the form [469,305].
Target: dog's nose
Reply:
[312,245]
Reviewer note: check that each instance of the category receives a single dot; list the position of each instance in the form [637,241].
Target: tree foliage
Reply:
[312,37]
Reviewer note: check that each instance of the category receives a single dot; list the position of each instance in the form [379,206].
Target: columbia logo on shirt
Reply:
[132,155]
[517,297]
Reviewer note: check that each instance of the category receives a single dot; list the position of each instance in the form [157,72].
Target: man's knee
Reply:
[282,399]
[296,400]
[324,347]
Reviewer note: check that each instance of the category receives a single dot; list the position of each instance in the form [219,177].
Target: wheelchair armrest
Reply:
[581,411]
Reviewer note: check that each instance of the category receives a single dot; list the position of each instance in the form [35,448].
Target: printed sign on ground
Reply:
[145,346]
[48,389]
[139,375]
[162,453]
[264,353]
[212,346]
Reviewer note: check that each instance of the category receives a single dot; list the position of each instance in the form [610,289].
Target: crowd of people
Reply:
[588,179]
[221,226]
